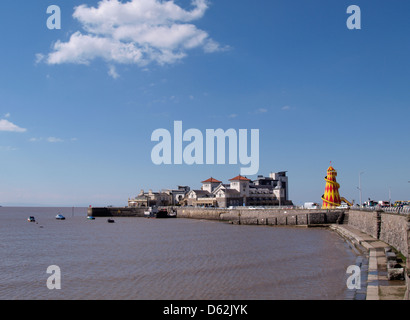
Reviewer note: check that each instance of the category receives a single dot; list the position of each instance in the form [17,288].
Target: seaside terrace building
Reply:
[167,197]
[241,191]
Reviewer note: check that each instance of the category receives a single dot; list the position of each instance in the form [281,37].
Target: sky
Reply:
[78,105]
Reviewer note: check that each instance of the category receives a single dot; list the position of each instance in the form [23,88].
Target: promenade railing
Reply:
[398,210]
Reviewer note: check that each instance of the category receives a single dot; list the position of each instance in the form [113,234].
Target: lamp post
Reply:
[280,196]
[360,187]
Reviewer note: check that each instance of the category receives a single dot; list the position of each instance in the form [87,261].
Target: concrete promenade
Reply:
[378,287]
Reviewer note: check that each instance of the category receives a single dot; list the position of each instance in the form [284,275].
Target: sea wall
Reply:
[394,230]
[291,217]
[391,228]
[365,221]
[115,212]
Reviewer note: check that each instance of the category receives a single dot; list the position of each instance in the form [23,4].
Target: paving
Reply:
[372,261]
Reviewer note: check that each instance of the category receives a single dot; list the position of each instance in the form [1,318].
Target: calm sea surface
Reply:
[168,259]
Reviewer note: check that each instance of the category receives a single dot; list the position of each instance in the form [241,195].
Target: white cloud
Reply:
[7,115]
[7,148]
[51,139]
[112,71]
[39,58]
[54,139]
[6,125]
[35,139]
[133,32]
[261,110]
[285,108]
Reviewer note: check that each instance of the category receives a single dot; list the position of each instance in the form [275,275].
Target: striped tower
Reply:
[331,198]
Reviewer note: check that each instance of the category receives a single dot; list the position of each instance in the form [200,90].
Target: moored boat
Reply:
[151,212]
[164,213]
[91,218]
[60,217]
[31,219]
[110,220]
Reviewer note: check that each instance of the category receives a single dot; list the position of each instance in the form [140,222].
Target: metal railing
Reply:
[398,210]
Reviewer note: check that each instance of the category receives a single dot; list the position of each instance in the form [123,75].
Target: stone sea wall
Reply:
[365,221]
[394,230]
[115,212]
[280,217]
[391,228]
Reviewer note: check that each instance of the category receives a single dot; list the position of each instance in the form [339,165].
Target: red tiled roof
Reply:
[211,180]
[240,178]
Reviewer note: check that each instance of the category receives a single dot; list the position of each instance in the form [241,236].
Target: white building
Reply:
[168,197]
[264,191]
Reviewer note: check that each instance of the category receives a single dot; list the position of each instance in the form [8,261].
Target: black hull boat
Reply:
[164,214]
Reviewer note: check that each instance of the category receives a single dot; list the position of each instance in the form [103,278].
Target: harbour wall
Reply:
[291,217]
[278,217]
[115,212]
[391,228]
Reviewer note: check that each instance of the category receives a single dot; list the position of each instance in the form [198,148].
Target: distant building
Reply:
[198,198]
[169,197]
[210,184]
[177,195]
[240,191]
[272,190]
[264,191]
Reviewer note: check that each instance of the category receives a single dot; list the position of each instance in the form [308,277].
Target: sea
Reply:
[165,259]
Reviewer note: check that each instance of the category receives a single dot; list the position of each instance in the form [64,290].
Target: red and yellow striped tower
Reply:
[331,198]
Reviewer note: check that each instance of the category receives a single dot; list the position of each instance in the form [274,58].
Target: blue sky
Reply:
[78,105]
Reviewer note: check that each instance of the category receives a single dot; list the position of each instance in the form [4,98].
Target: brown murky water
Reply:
[172,259]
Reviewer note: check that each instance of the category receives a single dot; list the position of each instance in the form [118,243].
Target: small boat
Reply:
[172,214]
[151,212]
[91,218]
[60,217]
[110,221]
[31,219]
[164,213]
